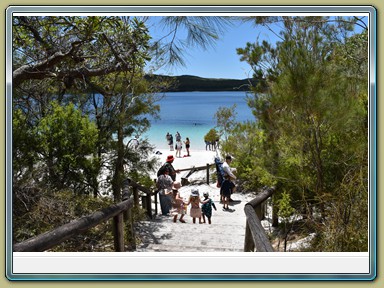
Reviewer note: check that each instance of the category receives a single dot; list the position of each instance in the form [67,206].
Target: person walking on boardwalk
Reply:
[228,171]
[206,208]
[187,145]
[169,167]
[164,183]
[195,201]
[225,192]
[177,203]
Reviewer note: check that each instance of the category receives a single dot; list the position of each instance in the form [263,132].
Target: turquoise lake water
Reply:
[192,114]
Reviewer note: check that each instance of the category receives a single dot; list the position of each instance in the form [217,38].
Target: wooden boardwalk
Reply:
[225,234]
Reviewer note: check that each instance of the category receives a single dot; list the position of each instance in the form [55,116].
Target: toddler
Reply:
[206,208]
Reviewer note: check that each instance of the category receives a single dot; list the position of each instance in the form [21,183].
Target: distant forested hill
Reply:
[194,83]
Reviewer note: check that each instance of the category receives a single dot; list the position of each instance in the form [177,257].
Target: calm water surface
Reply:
[192,114]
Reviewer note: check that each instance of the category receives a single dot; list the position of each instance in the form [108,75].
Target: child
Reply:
[206,208]
[195,200]
[177,203]
[226,190]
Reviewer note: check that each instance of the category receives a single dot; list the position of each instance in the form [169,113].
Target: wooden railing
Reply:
[194,169]
[255,236]
[120,212]
[132,195]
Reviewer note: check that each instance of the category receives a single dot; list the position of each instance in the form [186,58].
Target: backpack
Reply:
[219,172]
[162,169]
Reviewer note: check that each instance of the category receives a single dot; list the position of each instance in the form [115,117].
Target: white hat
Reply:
[176,185]
[195,192]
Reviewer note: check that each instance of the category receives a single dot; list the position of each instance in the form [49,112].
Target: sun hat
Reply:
[195,192]
[170,158]
[176,185]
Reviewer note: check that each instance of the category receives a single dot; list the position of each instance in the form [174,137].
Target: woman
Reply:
[187,145]
[164,184]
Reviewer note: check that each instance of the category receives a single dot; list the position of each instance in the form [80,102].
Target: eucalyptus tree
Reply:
[308,103]
[96,63]
[225,120]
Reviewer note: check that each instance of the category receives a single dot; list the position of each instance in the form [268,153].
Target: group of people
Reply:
[211,145]
[171,203]
[179,144]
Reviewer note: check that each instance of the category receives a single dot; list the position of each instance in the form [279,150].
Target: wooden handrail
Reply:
[196,168]
[255,235]
[56,236]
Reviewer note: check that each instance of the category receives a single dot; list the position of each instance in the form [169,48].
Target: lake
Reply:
[192,114]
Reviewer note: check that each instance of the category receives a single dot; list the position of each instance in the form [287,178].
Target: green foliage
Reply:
[212,135]
[284,207]
[225,119]
[66,143]
[311,131]
[78,92]
[51,210]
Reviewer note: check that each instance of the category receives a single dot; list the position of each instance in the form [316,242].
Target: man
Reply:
[228,171]
[169,168]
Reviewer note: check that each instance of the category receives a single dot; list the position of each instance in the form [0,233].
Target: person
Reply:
[206,208]
[164,183]
[169,167]
[228,171]
[178,136]
[195,211]
[169,138]
[178,147]
[187,145]
[207,145]
[177,203]
[225,191]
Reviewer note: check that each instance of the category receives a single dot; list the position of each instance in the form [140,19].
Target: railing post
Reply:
[130,231]
[249,246]
[146,204]
[255,236]
[149,206]
[136,196]
[155,195]
[118,232]
[208,173]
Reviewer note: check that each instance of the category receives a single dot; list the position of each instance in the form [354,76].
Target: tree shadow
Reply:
[147,232]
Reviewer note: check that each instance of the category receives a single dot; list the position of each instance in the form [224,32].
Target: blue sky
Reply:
[220,61]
